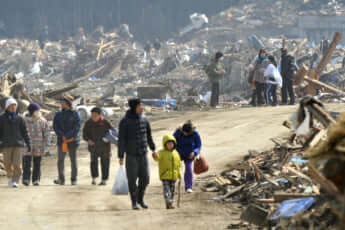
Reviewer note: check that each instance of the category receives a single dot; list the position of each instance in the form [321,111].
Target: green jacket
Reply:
[169,162]
[215,71]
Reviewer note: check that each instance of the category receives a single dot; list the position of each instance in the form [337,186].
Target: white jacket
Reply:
[273,72]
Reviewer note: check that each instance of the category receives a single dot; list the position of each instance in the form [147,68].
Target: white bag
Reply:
[120,186]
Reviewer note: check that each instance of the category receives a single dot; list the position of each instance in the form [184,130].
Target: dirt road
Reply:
[227,135]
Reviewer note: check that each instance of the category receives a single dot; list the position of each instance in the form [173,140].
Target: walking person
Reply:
[169,164]
[134,138]
[258,66]
[39,133]
[215,71]
[288,69]
[94,131]
[188,146]
[274,80]
[67,128]
[13,135]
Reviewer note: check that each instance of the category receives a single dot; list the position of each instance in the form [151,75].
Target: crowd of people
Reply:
[266,76]
[24,140]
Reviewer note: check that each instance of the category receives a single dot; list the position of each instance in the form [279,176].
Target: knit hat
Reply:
[68,101]
[33,107]
[10,101]
[133,103]
[96,110]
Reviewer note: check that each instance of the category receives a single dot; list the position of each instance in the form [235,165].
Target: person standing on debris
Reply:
[188,146]
[134,137]
[38,129]
[324,45]
[288,69]
[94,131]
[257,79]
[274,80]
[67,128]
[215,71]
[13,135]
[169,168]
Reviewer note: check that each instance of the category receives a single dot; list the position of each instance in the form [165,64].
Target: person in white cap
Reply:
[13,137]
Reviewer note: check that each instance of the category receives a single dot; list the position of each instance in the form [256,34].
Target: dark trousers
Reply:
[36,172]
[287,89]
[61,162]
[259,92]
[138,175]
[105,163]
[168,190]
[215,94]
[271,93]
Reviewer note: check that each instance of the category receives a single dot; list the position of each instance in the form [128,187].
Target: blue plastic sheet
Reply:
[112,136]
[291,208]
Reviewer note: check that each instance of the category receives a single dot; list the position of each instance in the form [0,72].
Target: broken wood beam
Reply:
[327,185]
[324,86]
[58,93]
[89,74]
[282,196]
[301,73]
[327,57]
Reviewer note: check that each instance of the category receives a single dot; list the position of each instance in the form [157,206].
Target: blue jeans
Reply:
[271,92]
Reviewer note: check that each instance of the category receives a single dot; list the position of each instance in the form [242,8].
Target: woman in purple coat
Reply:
[188,146]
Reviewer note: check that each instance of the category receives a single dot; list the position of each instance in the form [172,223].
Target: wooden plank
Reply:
[297,173]
[282,196]
[100,50]
[315,73]
[327,185]
[89,74]
[324,86]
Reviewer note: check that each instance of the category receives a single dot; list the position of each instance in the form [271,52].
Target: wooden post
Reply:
[315,73]
[301,73]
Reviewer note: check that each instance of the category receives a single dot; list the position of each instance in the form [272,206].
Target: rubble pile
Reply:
[296,185]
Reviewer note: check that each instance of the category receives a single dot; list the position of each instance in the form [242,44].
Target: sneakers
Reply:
[26,182]
[73,183]
[14,184]
[103,183]
[189,190]
[93,181]
[36,183]
[170,205]
[58,182]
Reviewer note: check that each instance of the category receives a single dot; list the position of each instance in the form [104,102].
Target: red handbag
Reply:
[200,165]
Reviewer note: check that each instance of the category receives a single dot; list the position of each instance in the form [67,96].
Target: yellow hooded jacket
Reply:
[169,162]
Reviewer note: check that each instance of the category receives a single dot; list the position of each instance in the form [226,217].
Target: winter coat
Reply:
[215,71]
[169,162]
[259,70]
[134,135]
[13,132]
[187,144]
[95,131]
[273,76]
[288,67]
[39,133]
[67,124]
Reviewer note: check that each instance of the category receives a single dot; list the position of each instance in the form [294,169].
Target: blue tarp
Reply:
[290,208]
[298,160]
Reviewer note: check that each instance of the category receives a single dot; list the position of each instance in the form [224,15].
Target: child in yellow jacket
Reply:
[169,163]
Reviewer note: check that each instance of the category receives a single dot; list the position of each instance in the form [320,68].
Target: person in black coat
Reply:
[13,137]
[134,138]
[288,69]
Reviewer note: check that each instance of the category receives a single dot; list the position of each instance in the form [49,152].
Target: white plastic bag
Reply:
[120,186]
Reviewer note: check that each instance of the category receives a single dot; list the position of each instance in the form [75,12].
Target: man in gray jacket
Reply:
[134,138]
[13,135]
